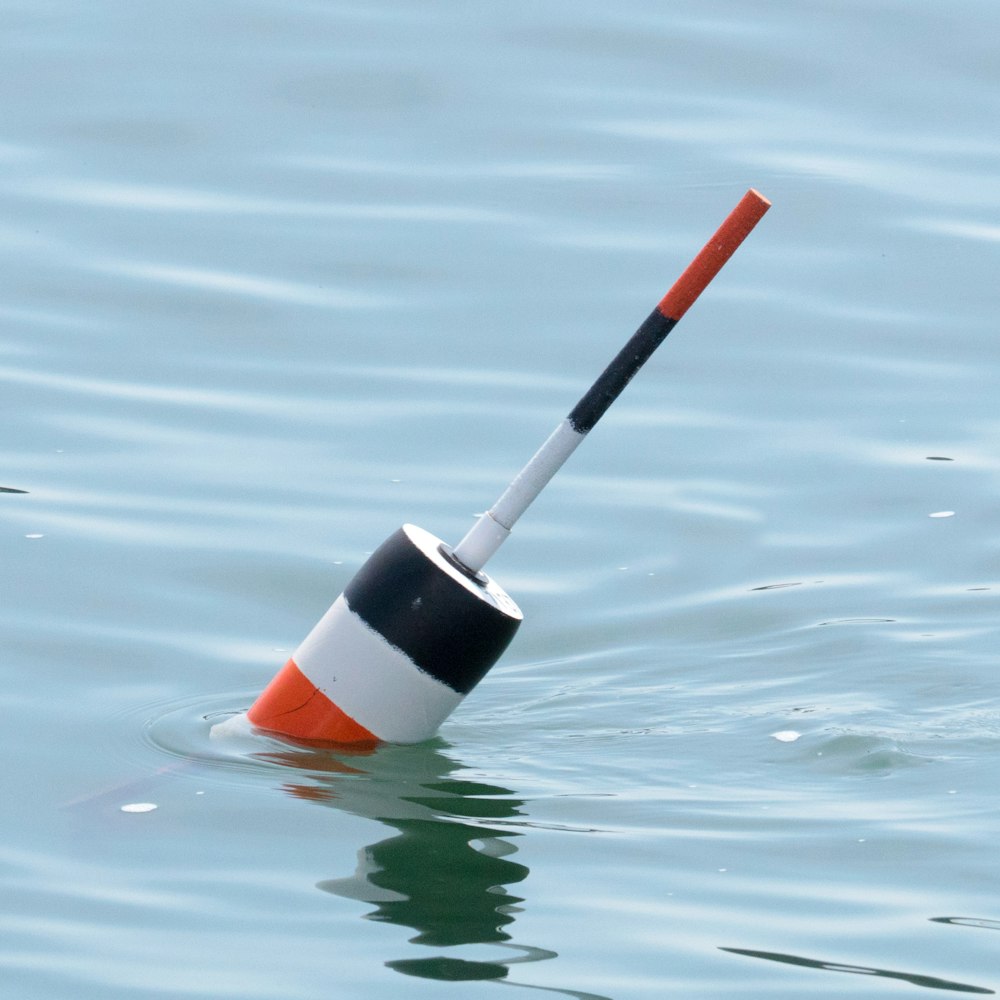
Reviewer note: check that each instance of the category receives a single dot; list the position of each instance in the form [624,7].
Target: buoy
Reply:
[420,624]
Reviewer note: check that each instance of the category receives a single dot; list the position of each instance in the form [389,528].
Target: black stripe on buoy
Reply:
[618,374]
[451,629]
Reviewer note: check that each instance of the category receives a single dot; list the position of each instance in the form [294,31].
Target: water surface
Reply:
[280,277]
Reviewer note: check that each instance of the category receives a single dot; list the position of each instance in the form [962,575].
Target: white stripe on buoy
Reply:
[374,683]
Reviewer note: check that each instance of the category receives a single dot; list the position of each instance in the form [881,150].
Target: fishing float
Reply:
[420,623]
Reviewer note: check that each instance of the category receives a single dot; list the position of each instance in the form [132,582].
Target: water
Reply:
[280,277]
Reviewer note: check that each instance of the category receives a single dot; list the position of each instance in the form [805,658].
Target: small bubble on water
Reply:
[786,736]
[139,807]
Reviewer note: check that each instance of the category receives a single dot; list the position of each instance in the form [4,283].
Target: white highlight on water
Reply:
[786,736]
[139,807]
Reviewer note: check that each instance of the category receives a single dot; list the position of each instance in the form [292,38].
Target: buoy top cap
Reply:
[484,587]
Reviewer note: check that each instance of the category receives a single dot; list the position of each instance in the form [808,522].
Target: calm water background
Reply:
[278,277]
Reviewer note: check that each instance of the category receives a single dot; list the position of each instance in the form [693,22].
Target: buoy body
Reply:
[420,623]
[411,635]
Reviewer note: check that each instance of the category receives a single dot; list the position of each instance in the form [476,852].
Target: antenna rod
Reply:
[493,527]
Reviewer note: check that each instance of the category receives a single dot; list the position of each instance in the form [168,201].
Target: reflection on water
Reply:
[416,878]
[932,982]
[983,922]
[445,868]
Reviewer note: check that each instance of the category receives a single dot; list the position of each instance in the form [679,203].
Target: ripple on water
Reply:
[184,731]
[866,754]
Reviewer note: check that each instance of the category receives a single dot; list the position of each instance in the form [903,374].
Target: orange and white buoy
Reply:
[420,624]
[411,635]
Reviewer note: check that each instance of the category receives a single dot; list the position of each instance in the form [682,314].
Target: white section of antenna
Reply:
[493,527]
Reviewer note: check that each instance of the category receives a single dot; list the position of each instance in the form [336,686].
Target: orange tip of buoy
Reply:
[733,231]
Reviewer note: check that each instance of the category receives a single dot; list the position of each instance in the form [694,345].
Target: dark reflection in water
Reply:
[983,922]
[931,982]
[444,870]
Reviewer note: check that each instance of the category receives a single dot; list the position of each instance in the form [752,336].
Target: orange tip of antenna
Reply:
[737,226]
